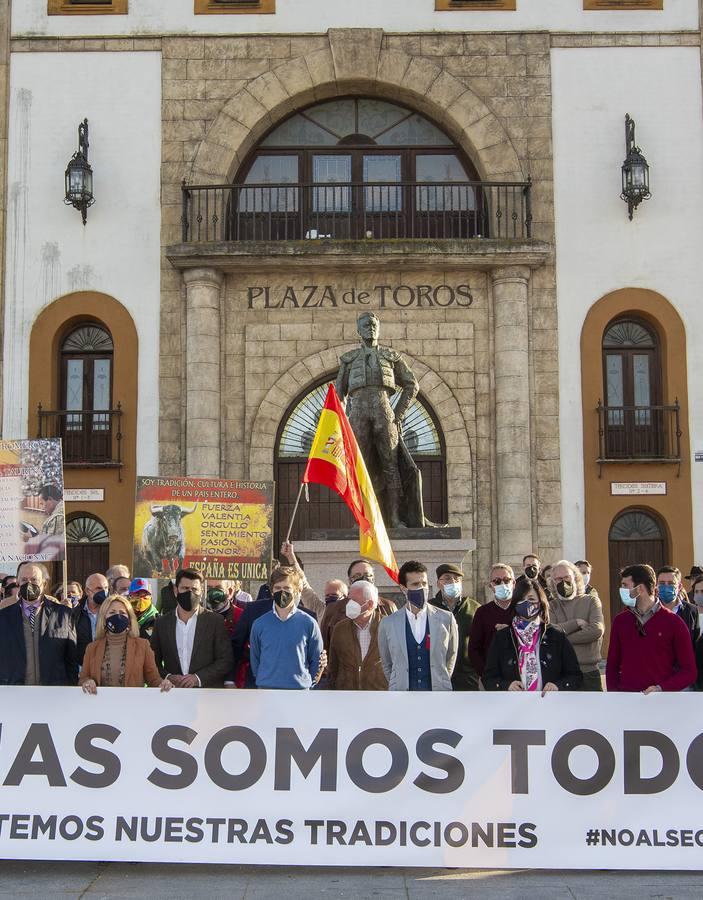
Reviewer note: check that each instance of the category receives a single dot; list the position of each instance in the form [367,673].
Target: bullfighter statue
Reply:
[369,377]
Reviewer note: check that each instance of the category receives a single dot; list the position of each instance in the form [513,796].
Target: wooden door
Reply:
[636,536]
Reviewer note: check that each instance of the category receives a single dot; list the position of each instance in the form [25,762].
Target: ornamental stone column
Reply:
[203,393]
[512,412]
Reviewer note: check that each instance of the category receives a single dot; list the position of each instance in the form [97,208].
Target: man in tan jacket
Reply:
[355,662]
[580,616]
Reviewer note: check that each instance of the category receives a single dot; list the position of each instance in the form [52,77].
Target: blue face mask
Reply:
[452,590]
[504,591]
[667,593]
[527,609]
[418,597]
[626,598]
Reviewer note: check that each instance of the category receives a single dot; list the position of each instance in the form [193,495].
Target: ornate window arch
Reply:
[422,434]
[87,545]
[357,167]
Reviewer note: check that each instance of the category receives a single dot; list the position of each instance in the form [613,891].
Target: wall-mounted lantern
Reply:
[635,171]
[79,175]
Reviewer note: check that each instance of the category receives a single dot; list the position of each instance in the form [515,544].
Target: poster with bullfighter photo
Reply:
[223,529]
[32,522]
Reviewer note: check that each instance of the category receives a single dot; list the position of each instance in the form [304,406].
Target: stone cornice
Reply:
[359,255]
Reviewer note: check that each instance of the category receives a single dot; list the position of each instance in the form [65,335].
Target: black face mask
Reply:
[217,600]
[185,600]
[30,592]
[565,589]
[282,599]
[99,597]
[117,623]
[531,571]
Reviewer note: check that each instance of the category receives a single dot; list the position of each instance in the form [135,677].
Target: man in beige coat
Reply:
[580,616]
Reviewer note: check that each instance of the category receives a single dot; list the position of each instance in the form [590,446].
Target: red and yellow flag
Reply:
[336,461]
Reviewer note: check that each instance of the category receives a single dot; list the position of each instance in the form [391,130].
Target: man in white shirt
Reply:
[191,644]
[419,643]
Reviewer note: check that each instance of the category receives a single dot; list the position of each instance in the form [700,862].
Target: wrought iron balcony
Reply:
[357,211]
[90,438]
[639,433]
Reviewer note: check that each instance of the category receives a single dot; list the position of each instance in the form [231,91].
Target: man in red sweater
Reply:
[650,647]
[492,616]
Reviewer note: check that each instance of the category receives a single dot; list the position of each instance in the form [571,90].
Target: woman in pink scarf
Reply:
[529,655]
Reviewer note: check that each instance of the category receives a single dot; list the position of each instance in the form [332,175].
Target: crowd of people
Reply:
[541,631]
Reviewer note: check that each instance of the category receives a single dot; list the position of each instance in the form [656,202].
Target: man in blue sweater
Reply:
[285,643]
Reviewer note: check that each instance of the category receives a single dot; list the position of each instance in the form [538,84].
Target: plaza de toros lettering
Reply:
[380,296]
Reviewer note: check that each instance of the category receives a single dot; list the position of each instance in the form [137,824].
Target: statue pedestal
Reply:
[327,554]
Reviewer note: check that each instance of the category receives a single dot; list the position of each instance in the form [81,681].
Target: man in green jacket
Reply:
[450,597]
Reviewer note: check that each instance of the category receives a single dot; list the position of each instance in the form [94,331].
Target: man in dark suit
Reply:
[191,644]
[38,644]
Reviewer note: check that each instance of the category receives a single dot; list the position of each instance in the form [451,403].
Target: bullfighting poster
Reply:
[222,529]
[32,522]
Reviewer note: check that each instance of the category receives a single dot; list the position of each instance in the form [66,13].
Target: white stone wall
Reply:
[598,249]
[49,252]
[301,16]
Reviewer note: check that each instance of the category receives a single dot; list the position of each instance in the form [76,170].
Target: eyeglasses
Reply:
[497,581]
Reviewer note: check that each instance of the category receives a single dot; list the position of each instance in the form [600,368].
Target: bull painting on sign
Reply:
[220,528]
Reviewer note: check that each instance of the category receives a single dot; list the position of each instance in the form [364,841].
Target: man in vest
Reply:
[419,643]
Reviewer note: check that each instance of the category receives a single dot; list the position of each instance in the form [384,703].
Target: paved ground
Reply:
[156,881]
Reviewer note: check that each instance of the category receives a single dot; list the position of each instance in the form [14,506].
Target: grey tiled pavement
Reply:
[155,881]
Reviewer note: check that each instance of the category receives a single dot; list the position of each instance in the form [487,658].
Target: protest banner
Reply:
[220,528]
[32,522]
[352,779]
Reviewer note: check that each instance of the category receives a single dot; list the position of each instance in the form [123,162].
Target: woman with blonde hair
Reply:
[118,657]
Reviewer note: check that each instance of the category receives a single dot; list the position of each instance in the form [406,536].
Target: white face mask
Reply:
[586,578]
[353,609]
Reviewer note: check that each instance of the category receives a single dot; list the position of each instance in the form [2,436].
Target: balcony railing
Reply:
[91,438]
[639,433]
[357,211]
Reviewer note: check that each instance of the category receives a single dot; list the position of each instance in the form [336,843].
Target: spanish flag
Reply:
[336,461]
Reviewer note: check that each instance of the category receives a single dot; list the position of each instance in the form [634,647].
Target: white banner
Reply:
[582,781]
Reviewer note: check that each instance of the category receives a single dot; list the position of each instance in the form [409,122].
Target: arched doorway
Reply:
[326,510]
[636,536]
[87,546]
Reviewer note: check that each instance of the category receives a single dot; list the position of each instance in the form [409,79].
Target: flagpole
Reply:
[295,510]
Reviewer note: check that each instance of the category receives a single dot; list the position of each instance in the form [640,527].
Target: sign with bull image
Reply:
[220,528]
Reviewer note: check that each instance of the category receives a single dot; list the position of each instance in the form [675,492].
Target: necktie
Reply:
[32,618]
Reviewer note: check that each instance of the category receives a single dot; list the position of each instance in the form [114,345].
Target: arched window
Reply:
[86,393]
[326,510]
[357,168]
[635,536]
[634,424]
[87,546]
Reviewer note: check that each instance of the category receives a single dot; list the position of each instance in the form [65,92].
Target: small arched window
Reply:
[326,510]
[86,393]
[356,167]
[633,390]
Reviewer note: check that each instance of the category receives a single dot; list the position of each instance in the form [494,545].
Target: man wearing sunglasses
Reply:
[492,616]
